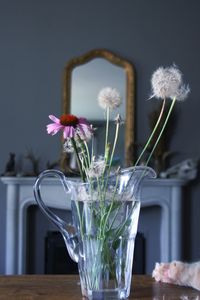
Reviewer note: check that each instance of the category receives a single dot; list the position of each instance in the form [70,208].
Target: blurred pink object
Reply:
[179,273]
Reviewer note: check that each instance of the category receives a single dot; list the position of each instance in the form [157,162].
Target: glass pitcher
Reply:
[101,236]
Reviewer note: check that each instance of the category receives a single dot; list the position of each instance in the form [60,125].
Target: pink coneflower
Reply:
[70,125]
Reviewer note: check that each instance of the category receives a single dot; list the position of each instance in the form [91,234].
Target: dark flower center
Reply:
[68,120]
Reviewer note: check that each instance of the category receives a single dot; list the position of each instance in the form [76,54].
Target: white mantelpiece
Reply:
[165,193]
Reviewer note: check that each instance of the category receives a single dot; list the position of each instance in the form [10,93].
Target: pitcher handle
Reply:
[53,217]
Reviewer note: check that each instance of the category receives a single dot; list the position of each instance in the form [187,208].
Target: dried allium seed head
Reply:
[109,98]
[167,83]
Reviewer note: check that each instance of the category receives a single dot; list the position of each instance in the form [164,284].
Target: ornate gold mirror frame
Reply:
[130,93]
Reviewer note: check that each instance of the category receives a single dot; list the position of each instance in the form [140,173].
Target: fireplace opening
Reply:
[46,251]
[58,261]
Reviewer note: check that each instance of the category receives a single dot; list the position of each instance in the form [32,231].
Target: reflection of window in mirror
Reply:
[88,79]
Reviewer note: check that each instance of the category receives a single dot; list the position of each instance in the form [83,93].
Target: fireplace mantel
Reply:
[165,193]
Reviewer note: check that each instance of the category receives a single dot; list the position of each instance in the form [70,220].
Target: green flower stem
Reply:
[122,226]
[80,218]
[88,153]
[85,163]
[153,132]
[114,218]
[92,147]
[78,159]
[161,132]
[111,157]
[85,159]
[111,206]
[114,146]
[107,129]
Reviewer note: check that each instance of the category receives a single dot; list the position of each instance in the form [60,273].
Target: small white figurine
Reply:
[186,169]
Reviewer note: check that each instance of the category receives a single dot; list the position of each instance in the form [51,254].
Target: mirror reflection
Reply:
[88,80]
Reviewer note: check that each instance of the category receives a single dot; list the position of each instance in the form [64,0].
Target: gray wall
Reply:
[38,37]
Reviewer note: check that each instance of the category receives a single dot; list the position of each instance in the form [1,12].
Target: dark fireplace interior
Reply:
[57,259]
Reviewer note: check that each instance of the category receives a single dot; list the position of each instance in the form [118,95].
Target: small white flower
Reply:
[97,168]
[109,98]
[167,83]
[82,194]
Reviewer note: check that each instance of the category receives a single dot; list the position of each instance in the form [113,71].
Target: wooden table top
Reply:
[67,287]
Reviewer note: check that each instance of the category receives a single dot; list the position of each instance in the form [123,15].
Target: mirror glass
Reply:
[83,78]
[87,80]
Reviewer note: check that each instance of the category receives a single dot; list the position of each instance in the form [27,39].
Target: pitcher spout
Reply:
[134,177]
[141,172]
